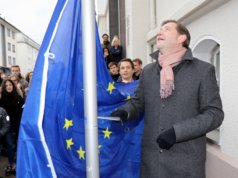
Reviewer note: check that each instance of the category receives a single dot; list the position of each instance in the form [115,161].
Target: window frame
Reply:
[9,46]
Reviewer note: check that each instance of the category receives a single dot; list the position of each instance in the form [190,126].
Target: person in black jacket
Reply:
[6,139]
[137,68]
[114,71]
[107,56]
[116,49]
[12,102]
[105,41]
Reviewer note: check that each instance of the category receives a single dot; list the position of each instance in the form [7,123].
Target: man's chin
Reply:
[158,46]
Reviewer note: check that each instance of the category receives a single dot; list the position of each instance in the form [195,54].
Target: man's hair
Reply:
[19,70]
[112,64]
[15,66]
[182,30]
[105,35]
[138,60]
[126,60]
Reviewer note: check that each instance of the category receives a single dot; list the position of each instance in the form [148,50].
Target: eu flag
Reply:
[51,141]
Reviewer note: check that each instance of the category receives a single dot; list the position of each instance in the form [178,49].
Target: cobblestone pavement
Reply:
[3,164]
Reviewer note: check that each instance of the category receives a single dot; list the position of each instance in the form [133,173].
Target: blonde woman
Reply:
[116,49]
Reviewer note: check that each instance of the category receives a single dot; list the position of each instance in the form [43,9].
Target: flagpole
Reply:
[90,92]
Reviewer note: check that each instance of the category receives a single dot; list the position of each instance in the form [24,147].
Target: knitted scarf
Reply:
[167,62]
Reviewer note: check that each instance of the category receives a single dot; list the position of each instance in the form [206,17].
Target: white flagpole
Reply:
[90,92]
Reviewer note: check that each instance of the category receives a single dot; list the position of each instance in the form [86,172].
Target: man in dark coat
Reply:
[180,98]
[114,71]
[137,68]
[105,41]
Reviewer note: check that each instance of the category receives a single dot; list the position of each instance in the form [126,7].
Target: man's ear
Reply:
[182,38]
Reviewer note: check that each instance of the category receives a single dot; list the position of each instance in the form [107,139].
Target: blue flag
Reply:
[51,141]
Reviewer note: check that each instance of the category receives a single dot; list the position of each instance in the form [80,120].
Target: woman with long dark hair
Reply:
[12,102]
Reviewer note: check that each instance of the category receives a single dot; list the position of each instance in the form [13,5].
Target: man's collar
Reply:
[187,56]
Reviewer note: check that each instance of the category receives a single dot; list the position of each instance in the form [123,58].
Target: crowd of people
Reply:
[14,89]
[121,69]
[13,92]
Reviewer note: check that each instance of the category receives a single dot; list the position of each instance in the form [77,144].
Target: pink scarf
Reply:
[167,62]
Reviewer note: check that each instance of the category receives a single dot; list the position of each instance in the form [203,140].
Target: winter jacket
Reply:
[193,109]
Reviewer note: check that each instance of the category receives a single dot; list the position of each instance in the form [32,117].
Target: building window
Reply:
[9,46]
[215,60]
[8,32]
[13,48]
[13,35]
[13,61]
[9,60]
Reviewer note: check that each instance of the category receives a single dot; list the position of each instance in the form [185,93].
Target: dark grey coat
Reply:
[193,110]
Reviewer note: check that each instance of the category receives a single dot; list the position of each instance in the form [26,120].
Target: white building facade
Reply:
[27,52]
[16,48]
[214,33]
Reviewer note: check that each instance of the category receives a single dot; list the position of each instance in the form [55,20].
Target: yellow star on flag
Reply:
[68,123]
[110,87]
[99,146]
[69,143]
[81,153]
[107,133]
[128,98]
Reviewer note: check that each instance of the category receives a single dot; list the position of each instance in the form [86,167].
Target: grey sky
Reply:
[29,16]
